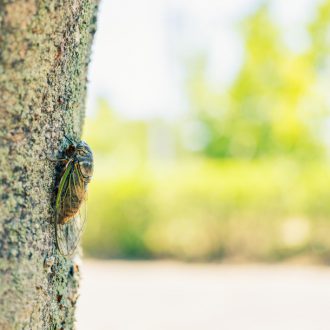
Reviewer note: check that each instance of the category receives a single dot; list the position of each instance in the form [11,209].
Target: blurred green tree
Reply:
[267,109]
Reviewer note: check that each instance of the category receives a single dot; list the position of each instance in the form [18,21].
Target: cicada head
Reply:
[84,156]
[71,148]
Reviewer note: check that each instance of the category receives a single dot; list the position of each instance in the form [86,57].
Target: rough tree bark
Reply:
[44,53]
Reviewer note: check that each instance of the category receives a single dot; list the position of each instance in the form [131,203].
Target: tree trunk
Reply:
[44,53]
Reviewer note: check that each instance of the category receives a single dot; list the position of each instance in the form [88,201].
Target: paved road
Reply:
[174,296]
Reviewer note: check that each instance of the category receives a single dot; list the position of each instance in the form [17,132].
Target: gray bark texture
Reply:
[44,54]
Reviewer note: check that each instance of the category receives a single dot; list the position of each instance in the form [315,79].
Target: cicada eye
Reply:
[70,150]
[81,152]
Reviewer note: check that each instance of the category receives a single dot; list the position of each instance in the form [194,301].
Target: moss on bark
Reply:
[44,54]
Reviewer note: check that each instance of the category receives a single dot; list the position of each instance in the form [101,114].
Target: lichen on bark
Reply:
[44,54]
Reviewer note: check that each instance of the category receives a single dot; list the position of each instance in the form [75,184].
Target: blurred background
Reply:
[210,125]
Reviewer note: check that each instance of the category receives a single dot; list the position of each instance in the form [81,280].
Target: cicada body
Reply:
[71,194]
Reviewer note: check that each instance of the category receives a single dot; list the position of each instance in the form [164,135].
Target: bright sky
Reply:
[140,47]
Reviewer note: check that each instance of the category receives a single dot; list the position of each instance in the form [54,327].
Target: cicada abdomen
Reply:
[71,195]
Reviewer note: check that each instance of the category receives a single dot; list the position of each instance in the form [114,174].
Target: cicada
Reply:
[71,194]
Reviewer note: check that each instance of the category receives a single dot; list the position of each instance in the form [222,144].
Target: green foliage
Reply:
[256,185]
[271,108]
[119,211]
[204,210]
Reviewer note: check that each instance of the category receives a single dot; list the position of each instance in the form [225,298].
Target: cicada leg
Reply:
[72,142]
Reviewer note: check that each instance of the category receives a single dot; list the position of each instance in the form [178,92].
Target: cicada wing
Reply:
[68,234]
